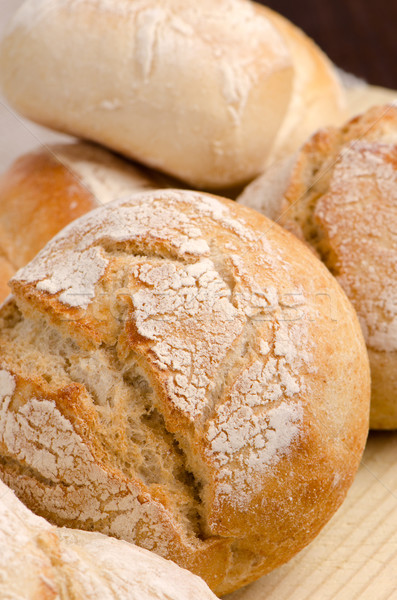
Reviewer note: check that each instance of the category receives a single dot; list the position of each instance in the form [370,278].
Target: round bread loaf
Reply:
[198,90]
[186,375]
[45,190]
[339,194]
[41,562]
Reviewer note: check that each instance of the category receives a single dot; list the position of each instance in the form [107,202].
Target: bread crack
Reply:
[128,426]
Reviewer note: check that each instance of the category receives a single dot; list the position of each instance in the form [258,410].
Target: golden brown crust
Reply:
[190,359]
[46,189]
[339,195]
[6,272]
[38,197]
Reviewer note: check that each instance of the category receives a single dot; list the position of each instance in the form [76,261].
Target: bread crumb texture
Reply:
[178,372]
[340,196]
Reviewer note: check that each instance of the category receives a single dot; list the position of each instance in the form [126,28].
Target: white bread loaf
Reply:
[339,194]
[187,376]
[46,189]
[42,562]
[197,89]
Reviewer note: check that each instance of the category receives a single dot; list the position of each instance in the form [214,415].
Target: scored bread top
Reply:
[207,374]
[48,188]
[340,195]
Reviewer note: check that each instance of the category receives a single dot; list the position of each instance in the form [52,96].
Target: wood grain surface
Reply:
[360,36]
[355,556]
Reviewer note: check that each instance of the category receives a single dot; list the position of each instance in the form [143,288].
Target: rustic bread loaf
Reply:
[198,90]
[187,376]
[45,190]
[41,562]
[339,194]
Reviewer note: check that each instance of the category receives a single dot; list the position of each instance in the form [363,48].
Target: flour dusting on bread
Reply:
[74,270]
[196,90]
[164,382]
[363,191]
[39,561]
[339,194]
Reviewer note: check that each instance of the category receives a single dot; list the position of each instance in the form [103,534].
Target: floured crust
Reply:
[196,91]
[340,195]
[45,190]
[41,562]
[183,380]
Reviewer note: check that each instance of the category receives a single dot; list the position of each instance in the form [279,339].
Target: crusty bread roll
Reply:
[187,376]
[339,193]
[45,190]
[199,90]
[42,562]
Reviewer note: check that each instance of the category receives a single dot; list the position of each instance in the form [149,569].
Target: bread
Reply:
[317,98]
[41,562]
[6,272]
[45,190]
[187,376]
[361,97]
[199,91]
[339,195]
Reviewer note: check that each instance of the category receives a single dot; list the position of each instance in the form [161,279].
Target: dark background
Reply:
[358,35]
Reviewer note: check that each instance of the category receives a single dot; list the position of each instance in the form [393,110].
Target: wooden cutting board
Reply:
[355,555]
